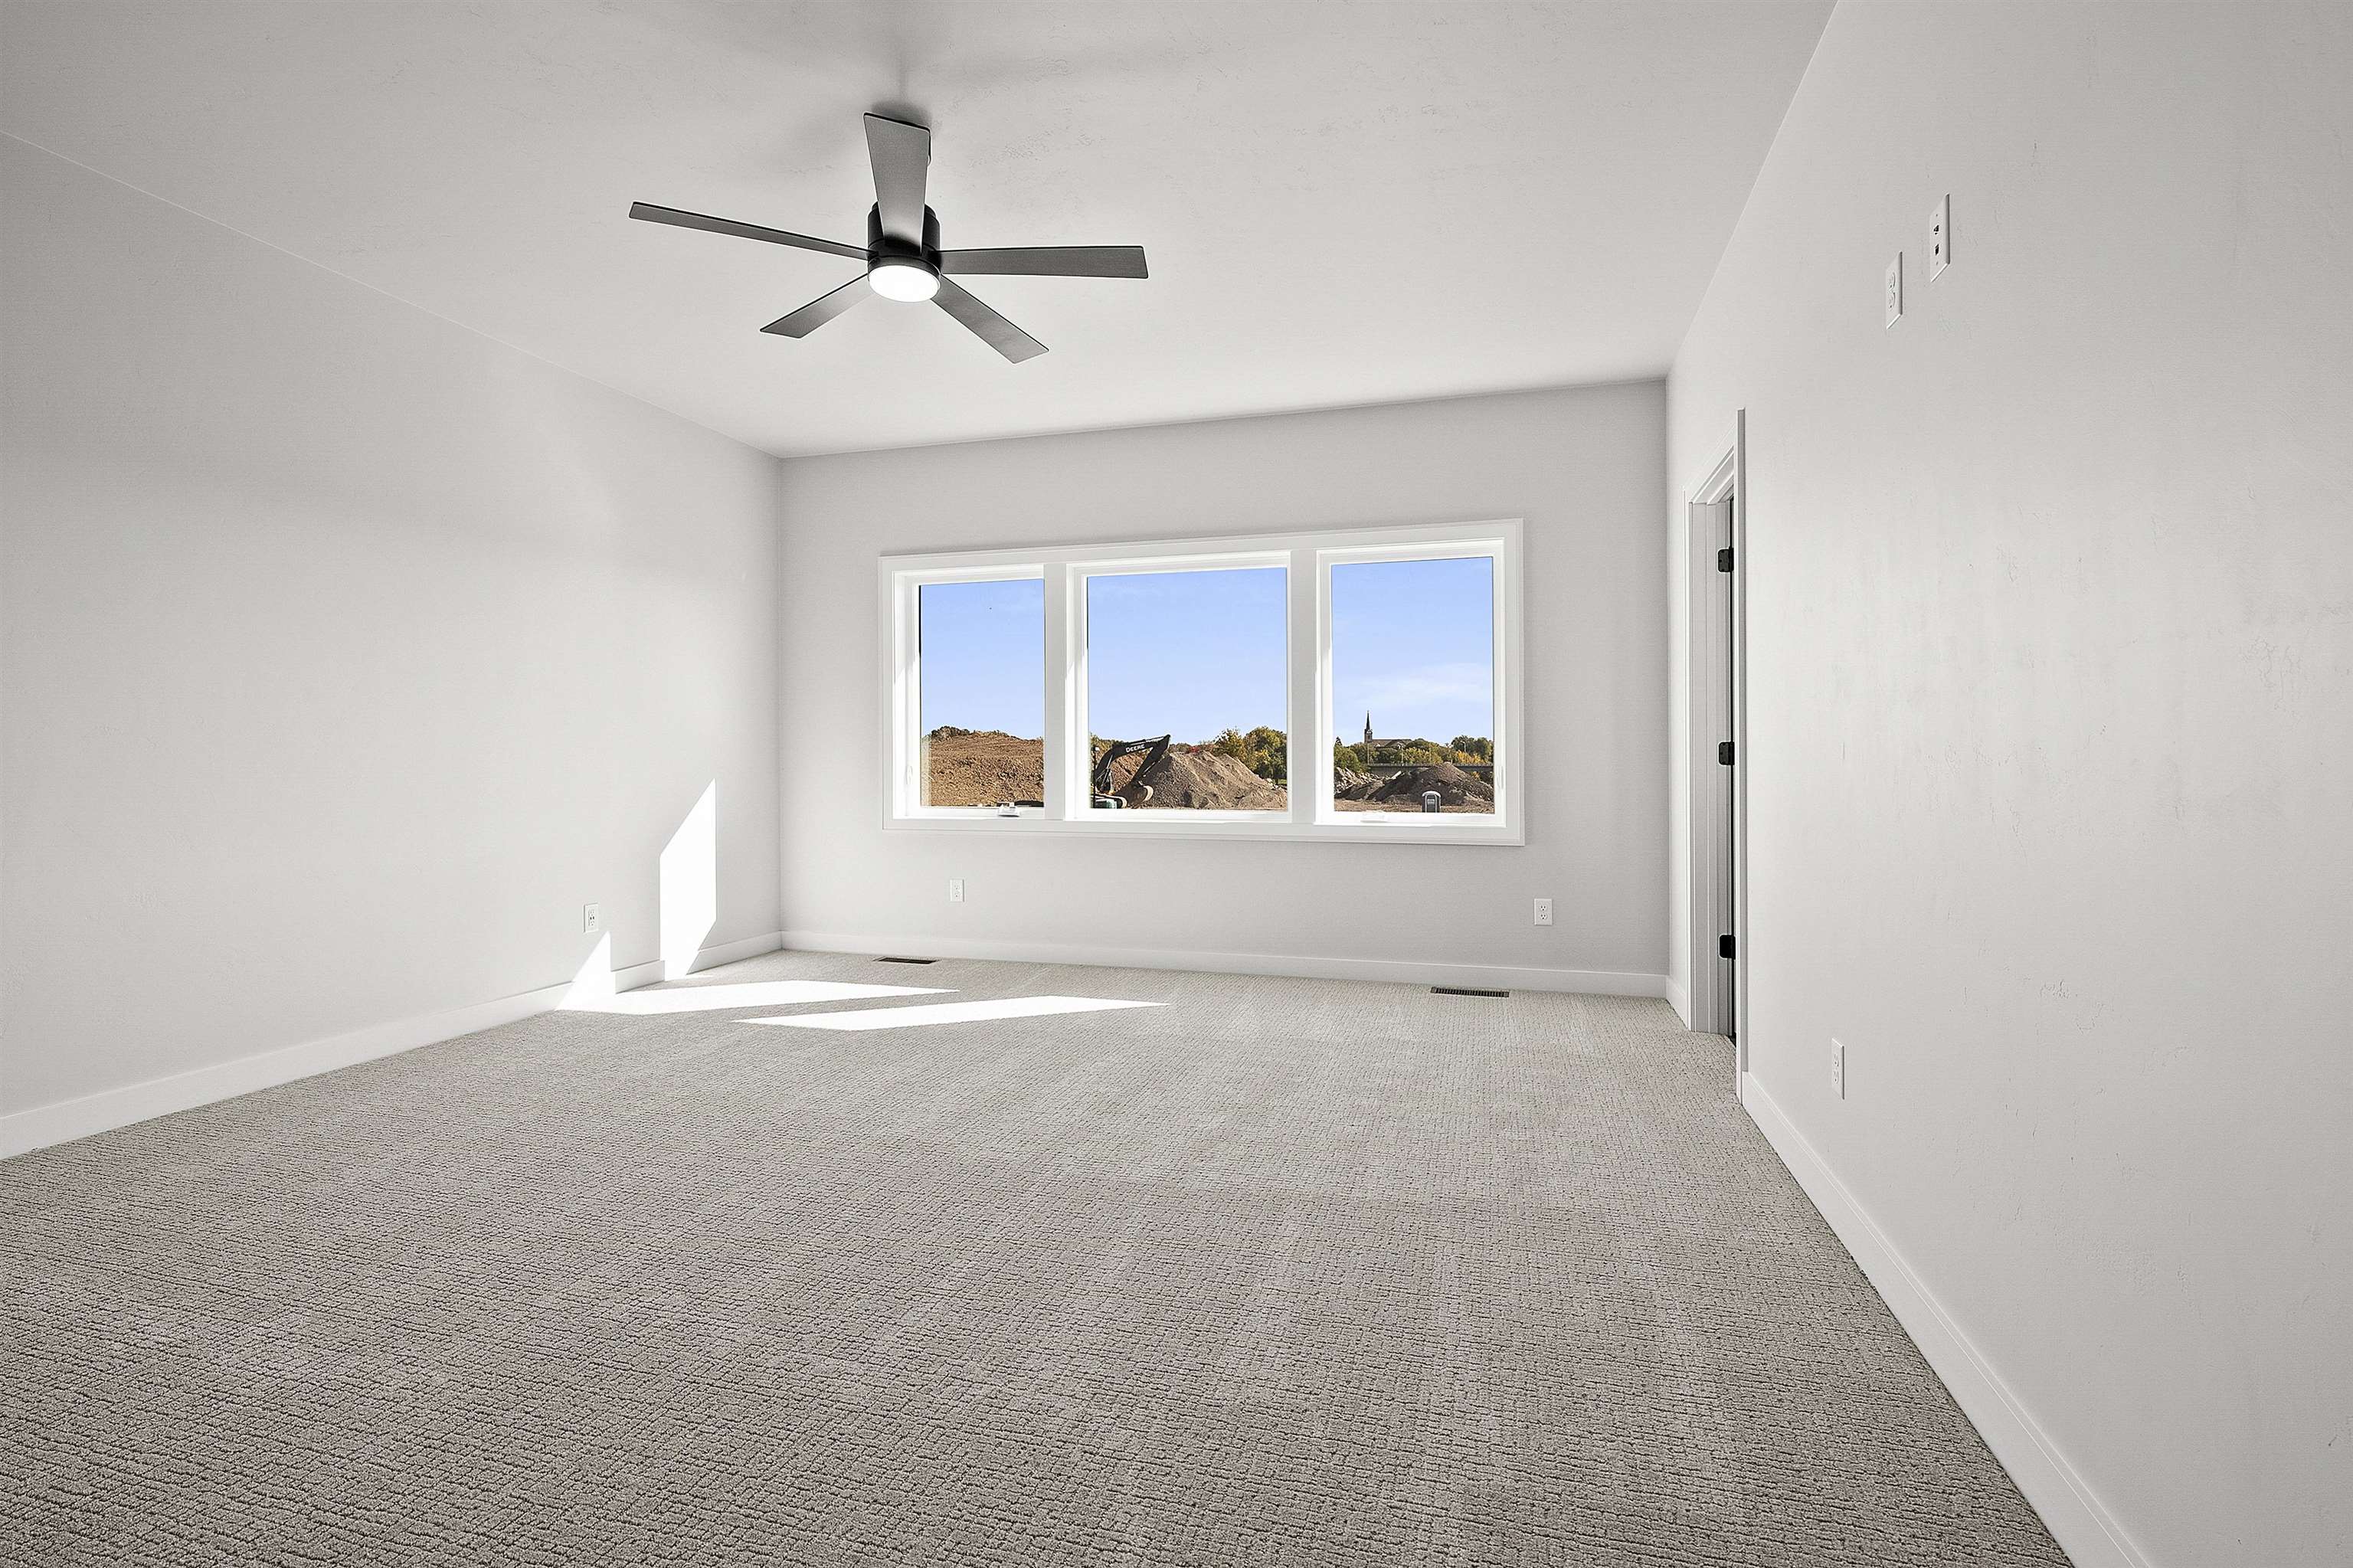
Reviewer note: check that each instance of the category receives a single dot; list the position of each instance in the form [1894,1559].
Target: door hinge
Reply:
[1723,948]
[1724,560]
[1724,752]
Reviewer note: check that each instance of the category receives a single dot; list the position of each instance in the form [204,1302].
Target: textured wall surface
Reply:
[1582,467]
[2051,655]
[345,654]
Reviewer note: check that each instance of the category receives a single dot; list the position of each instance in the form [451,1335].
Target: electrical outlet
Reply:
[1940,237]
[1895,290]
[1838,1069]
[1543,911]
[592,919]
[956,890]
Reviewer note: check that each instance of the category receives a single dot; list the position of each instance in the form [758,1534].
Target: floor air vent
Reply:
[1463,991]
[906,960]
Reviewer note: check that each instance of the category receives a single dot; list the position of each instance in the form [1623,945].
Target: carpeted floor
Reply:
[1283,1272]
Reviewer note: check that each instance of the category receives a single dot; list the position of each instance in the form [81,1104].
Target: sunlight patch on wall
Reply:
[591,987]
[951,1013]
[689,885]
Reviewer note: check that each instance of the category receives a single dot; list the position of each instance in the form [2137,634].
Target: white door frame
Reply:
[1718,711]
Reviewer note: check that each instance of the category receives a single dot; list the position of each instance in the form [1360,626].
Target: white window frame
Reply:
[904,681]
[1309,558]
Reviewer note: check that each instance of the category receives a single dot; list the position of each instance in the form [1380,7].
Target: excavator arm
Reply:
[1106,787]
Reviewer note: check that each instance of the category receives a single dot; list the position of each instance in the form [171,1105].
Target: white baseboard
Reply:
[1491,977]
[2075,1515]
[64,1120]
[733,952]
[630,977]
[1679,999]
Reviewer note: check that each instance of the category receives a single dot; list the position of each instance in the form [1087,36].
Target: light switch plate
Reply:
[1940,237]
[1895,290]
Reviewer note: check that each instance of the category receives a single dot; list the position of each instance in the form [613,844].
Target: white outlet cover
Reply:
[1895,290]
[1543,911]
[1838,1069]
[956,890]
[592,918]
[1940,237]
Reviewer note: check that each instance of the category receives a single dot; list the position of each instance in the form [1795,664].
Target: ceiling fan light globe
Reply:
[908,281]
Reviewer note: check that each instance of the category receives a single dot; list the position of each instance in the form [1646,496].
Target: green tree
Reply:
[1262,750]
[1267,750]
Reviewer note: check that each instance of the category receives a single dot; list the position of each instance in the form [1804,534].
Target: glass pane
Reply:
[1187,692]
[983,705]
[1413,651]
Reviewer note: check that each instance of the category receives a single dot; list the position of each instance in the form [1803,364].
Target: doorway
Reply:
[1716,517]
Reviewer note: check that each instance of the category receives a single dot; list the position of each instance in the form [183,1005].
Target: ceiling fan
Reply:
[902,255]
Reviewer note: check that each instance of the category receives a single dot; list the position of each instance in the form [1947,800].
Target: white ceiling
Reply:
[1343,202]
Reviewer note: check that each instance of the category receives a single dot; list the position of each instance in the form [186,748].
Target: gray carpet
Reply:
[1285,1272]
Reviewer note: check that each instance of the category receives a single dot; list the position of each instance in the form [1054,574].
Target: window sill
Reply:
[1399,828]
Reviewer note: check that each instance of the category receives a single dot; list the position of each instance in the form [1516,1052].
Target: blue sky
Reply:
[1194,652]
[984,656]
[1186,653]
[1414,642]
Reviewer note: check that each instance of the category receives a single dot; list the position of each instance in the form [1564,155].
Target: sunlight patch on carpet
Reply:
[756,993]
[951,1013]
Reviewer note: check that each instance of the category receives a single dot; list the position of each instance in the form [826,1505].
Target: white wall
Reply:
[1582,467]
[347,652]
[2051,686]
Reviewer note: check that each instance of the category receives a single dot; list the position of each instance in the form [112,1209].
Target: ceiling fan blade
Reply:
[820,310]
[649,212]
[900,153]
[999,334]
[1051,261]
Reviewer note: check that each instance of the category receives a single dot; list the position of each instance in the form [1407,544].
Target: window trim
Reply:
[1309,557]
[903,686]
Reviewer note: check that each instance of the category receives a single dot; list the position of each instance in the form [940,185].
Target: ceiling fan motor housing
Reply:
[879,245]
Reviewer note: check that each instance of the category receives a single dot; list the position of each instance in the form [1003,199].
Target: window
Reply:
[1413,647]
[1169,689]
[978,674]
[1187,690]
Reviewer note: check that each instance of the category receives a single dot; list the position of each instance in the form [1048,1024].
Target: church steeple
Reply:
[1368,727]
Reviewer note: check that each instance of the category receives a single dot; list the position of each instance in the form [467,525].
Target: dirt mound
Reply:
[1201,781]
[1349,785]
[1454,787]
[989,768]
[982,767]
